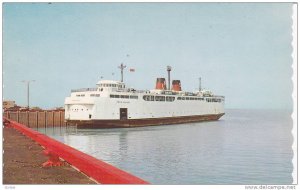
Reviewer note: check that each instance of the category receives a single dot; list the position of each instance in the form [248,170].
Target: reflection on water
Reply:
[244,147]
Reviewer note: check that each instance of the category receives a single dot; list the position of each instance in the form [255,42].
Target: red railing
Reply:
[98,170]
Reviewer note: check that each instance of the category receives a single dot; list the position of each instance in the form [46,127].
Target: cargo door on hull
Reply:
[123,113]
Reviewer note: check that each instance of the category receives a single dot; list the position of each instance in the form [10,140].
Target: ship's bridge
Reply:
[110,85]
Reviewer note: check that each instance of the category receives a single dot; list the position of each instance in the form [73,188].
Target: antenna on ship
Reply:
[200,84]
[122,67]
[169,68]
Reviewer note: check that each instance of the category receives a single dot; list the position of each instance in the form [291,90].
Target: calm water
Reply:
[244,147]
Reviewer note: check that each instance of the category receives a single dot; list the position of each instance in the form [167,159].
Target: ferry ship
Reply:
[112,104]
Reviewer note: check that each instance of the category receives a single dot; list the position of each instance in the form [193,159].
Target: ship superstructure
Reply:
[112,104]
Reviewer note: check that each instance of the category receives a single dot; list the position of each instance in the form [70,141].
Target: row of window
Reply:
[92,95]
[213,100]
[159,98]
[124,96]
[172,98]
[189,98]
[78,109]
[112,85]
[155,98]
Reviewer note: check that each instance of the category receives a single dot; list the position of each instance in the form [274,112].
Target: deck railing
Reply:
[84,89]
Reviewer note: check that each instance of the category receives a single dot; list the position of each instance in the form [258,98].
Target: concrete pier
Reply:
[27,153]
[23,160]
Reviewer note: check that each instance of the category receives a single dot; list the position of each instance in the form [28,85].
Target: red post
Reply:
[6,122]
[53,159]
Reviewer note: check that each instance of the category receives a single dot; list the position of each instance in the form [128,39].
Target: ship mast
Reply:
[169,68]
[122,67]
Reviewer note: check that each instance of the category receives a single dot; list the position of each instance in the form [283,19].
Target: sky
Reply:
[240,50]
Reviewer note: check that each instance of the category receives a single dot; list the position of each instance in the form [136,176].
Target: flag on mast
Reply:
[132,70]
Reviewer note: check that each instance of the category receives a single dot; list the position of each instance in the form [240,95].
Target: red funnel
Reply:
[160,83]
[176,85]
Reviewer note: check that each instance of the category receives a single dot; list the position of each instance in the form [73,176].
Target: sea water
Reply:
[243,147]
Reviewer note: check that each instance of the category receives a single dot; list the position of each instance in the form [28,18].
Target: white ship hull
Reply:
[143,122]
[117,108]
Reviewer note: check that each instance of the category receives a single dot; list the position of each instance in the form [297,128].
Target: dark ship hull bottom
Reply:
[88,124]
